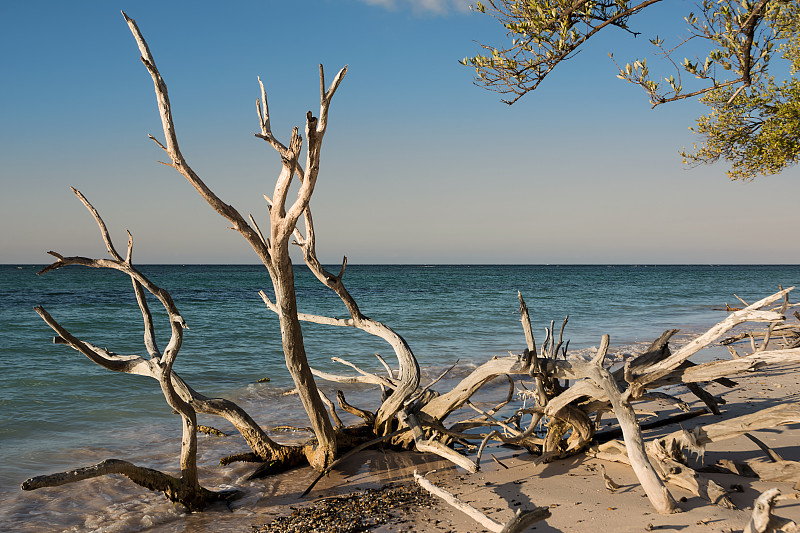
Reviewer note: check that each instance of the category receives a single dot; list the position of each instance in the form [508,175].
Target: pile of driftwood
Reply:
[569,396]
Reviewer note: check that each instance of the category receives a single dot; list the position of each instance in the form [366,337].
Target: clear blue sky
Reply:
[419,165]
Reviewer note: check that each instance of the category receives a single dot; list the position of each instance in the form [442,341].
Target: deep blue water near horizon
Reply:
[60,410]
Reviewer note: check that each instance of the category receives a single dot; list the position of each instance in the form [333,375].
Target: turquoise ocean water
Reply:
[60,411]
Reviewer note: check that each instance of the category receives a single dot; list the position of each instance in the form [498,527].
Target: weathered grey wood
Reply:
[521,521]
[531,356]
[187,489]
[273,252]
[715,369]
[783,330]
[727,429]
[148,478]
[409,373]
[606,435]
[763,521]
[751,313]
[253,434]
[669,460]
[708,399]
[656,492]
[367,416]
[434,446]
[770,453]
[778,471]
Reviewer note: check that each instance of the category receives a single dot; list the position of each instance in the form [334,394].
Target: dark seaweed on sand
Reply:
[360,511]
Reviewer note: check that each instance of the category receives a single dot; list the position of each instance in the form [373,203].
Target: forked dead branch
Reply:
[566,397]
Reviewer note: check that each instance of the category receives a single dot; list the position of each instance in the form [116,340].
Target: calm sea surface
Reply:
[60,411]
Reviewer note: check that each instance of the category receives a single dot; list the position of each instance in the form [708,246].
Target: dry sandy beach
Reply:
[574,488]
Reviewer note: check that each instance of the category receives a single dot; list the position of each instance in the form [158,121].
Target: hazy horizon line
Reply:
[644,264]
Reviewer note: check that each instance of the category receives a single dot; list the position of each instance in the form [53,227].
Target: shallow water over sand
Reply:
[62,412]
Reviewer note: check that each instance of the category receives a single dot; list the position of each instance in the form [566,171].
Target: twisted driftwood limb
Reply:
[788,331]
[668,458]
[697,438]
[173,488]
[255,437]
[337,422]
[273,252]
[367,416]
[409,373]
[715,369]
[186,489]
[652,484]
[751,313]
[763,521]
[521,521]
[432,445]
[369,379]
[409,368]
[253,434]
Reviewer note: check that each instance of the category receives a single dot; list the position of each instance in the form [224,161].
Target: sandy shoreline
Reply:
[573,488]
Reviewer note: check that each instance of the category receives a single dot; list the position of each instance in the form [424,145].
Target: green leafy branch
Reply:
[543,34]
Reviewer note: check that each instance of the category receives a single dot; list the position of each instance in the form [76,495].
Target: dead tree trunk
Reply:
[273,252]
[408,376]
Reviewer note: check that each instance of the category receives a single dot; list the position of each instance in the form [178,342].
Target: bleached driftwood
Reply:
[521,521]
[651,483]
[273,251]
[186,489]
[173,488]
[409,374]
[432,445]
[763,521]
[789,331]
[666,452]
[570,395]
[697,438]
[668,458]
